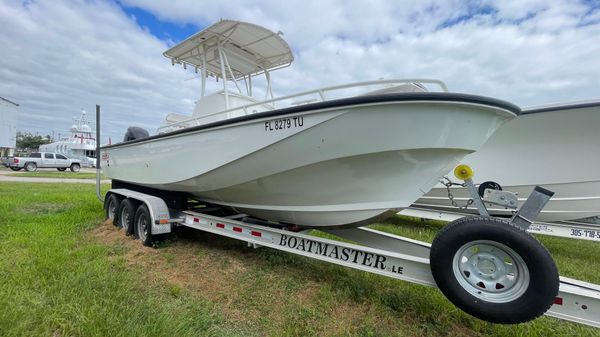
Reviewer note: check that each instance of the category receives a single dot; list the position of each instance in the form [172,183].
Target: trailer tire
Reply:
[143,227]
[127,209]
[111,207]
[494,270]
[30,166]
[75,167]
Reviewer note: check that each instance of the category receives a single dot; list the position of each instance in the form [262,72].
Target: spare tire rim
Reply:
[491,271]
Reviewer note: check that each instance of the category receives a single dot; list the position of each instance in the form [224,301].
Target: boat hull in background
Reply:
[555,147]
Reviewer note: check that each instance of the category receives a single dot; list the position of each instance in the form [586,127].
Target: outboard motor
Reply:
[135,132]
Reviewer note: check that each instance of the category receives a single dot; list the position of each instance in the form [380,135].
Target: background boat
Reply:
[553,146]
[80,144]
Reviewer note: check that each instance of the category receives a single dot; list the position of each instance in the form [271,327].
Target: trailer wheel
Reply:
[75,167]
[30,167]
[143,226]
[126,215]
[111,206]
[494,270]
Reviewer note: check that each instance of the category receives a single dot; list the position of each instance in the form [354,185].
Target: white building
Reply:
[8,127]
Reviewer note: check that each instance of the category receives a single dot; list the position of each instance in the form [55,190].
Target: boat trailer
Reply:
[147,217]
[484,277]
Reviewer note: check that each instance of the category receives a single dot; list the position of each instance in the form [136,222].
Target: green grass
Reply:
[56,282]
[55,174]
[59,278]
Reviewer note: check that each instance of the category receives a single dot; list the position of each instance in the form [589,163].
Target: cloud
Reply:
[305,22]
[526,51]
[60,56]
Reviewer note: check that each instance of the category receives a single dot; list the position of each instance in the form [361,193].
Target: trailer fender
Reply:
[159,212]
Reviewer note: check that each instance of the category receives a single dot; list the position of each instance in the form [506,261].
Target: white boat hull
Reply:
[555,147]
[344,164]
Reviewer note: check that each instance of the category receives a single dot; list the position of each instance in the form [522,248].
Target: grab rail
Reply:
[320,92]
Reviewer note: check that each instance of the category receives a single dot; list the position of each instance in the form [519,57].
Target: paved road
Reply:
[5,177]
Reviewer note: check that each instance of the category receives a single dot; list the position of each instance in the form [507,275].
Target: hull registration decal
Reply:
[284,123]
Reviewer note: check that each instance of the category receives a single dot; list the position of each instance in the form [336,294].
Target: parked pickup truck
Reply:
[43,160]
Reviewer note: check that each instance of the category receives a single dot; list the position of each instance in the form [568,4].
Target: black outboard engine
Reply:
[135,132]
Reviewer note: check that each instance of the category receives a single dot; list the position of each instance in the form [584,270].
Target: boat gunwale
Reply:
[338,103]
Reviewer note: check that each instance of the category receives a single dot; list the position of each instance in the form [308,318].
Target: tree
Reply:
[27,141]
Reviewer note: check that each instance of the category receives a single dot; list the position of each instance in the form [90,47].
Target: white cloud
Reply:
[526,51]
[60,56]
[307,21]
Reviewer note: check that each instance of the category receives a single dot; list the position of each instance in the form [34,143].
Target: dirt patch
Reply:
[247,291]
[186,264]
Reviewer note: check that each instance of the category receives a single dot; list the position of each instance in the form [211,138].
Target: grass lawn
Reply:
[66,273]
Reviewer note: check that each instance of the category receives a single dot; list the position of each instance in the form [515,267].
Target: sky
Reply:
[58,57]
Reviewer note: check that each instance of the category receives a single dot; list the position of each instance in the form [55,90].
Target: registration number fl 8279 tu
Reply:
[284,123]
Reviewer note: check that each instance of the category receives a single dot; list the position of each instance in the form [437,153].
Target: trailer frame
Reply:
[374,251]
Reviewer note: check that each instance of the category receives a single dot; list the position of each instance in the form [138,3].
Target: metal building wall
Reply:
[8,126]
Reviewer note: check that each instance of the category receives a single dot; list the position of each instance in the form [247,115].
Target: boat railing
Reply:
[318,95]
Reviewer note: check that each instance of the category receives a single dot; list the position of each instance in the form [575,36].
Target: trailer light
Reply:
[255,233]
[220,225]
[558,300]
[237,229]
[163,221]
[196,220]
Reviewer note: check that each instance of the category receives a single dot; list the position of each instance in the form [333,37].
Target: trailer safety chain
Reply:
[449,183]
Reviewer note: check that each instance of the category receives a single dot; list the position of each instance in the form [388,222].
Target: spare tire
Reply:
[135,132]
[494,270]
